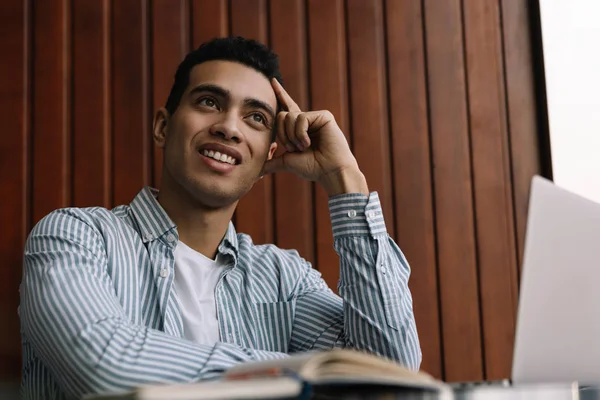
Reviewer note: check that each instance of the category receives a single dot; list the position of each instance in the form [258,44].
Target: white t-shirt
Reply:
[196,278]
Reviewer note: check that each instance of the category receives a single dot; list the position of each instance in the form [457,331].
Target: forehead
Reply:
[241,81]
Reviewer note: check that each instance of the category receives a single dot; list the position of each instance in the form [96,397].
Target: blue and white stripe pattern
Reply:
[99,312]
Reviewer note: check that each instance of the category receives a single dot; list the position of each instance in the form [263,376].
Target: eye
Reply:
[258,117]
[207,102]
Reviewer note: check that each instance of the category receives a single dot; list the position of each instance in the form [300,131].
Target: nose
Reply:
[227,128]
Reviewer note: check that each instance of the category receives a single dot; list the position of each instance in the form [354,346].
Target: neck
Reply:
[200,227]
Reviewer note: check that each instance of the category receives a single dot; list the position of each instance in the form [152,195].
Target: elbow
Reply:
[411,355]
[407,355]
[404,348]
[415,363]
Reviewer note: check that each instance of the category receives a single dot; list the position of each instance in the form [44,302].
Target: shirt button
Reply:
[352,213]
[371,214]
[170,238]
[383,270]
[164,273]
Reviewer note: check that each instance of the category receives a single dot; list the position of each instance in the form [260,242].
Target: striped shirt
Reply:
[99,313]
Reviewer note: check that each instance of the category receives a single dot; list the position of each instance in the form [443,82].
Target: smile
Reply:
[224,158]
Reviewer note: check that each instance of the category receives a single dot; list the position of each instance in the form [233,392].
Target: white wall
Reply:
[571,39]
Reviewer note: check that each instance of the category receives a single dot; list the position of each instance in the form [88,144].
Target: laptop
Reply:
[558,325]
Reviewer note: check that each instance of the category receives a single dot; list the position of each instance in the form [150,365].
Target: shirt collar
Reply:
[229,244]
[154,221]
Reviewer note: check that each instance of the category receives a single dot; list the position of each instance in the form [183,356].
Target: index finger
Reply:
[284,97]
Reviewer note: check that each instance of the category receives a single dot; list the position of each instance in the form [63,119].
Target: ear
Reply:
[272,150]
[159,127]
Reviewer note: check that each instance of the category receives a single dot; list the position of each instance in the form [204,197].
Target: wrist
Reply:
[344,181]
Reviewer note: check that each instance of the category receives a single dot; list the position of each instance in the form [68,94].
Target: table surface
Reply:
[469,391]
[480,391]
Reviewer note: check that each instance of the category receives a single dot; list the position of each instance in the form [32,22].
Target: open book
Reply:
[296,377]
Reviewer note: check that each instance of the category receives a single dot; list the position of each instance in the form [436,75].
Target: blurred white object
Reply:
[571,37]
[559,306]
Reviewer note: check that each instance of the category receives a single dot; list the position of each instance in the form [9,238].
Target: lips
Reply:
[226,154]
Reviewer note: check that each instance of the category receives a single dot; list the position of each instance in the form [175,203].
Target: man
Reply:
[165,290]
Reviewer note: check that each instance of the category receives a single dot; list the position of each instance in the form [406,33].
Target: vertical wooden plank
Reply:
[131,120]
[453,192]
[91,104]
[14,174]
[368,99]
[328,91]
[249,19]
[492,184]
[254,214]
[51,103]
[293,196]
[210,19]
[412,169]
[521,104]
[170,44]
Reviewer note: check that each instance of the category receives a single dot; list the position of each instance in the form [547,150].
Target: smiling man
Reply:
[165,290]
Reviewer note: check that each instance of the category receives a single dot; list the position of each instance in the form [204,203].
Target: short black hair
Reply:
[248,52]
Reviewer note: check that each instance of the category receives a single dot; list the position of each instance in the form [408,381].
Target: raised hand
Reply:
[316,148]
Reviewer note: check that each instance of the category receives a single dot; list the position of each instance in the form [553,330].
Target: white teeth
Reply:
[218,156]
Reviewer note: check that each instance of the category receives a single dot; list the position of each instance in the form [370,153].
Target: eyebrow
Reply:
[255,103]
[219,91]
[214,89]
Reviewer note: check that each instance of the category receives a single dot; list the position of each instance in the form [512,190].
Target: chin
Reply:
[216,197]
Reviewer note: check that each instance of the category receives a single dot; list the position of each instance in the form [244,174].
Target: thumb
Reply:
[273,165]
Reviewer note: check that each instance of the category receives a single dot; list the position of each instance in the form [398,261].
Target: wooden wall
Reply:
[436,97]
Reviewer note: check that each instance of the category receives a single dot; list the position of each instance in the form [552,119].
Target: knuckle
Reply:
[327,114]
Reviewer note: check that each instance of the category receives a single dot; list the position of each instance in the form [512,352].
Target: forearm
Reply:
[377,306]
[373,281]
[118,355]
[344,181]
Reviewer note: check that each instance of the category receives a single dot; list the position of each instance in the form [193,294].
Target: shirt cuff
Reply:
[354,214]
